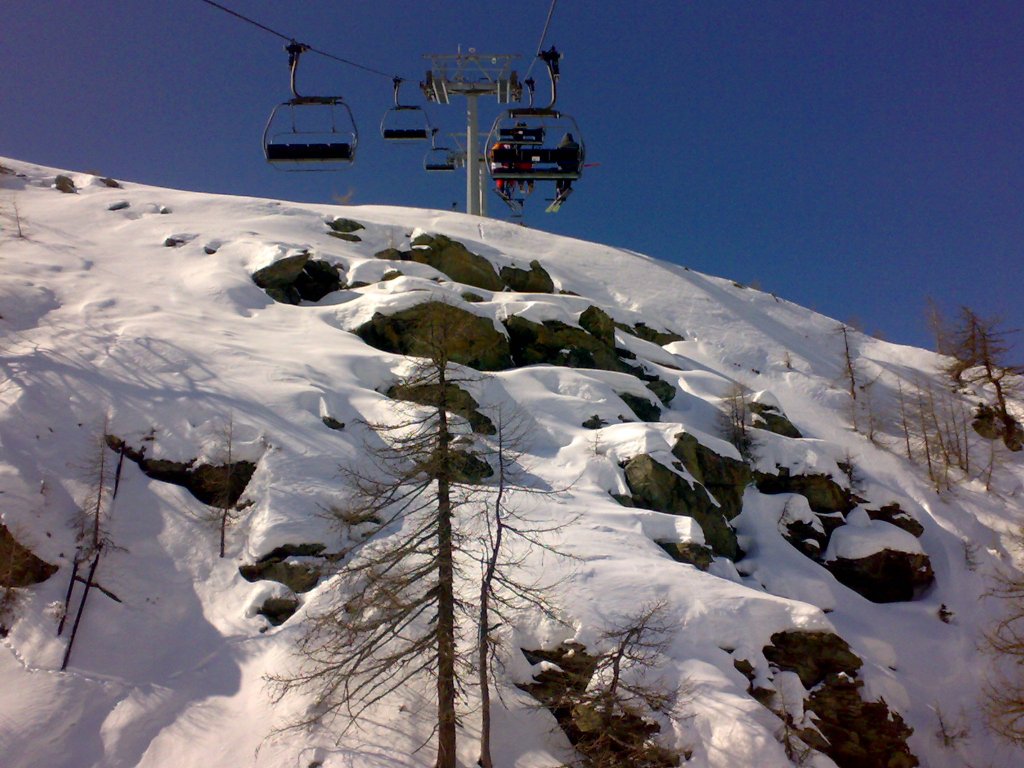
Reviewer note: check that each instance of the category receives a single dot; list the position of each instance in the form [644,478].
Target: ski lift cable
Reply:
[289,39]
[543,35]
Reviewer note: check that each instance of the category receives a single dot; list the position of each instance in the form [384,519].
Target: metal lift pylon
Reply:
[472,75]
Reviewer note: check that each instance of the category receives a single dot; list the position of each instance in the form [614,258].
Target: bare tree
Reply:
[735,419]
[980,349]
[224,483]
[505,544]
[392,617]
[614,714]
[103,482]
[1004,691]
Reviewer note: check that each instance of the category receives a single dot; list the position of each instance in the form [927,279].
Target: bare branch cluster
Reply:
[612,716]
[734,420]
[1004,691]
[935,425]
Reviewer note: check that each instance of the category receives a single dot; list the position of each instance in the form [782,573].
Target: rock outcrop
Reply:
[534,280]
[467,339]
[450,257]
[853,732]
[218,485]
[458,401]
[19,566]
[655,486]
[298,278]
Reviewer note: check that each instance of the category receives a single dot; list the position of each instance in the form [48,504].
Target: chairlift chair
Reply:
[442,158]
[405,122]
[309,133]
[537,143]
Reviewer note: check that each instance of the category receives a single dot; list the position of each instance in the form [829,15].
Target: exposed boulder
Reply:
[599,324]
[986,422]
[857,733]
[643,331]
[534,280]
[860,734]
[619,738]
[992,424]
[468,339]
[298,278]
[64,184]
[644,409]
[812,655]
[888,576]
[661,388]
[344,229]
[591,346]
[657,487]
[895,515]
[216,485]
[562,682]
[688,552]
[556,343]
[298,577]
[451,258]
[458,401]
[332,423]
[19,567]
[469,468]
[808,538]
[277,610]
[821,491]
[725,478]
[770,417]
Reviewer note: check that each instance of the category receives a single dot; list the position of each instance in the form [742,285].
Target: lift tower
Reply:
[472,75]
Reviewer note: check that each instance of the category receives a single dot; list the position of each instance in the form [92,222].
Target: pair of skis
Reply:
[556,204]
[516,204]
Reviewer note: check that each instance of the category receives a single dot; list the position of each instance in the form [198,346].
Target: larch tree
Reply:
[392,617]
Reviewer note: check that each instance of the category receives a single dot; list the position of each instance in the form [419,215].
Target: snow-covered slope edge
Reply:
[132,310]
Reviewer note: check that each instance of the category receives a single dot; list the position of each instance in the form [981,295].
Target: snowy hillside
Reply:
[146,318]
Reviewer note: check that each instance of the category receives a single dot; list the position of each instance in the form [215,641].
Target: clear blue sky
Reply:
[854,157]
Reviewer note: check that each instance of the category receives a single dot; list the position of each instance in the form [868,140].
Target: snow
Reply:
[101,320]
[861,538]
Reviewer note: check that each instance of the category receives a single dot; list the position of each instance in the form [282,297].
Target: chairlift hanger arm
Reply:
[551,58]
[295,50]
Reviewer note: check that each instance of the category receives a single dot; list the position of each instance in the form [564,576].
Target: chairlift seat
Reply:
[407,134]
[309,153]
[439,166]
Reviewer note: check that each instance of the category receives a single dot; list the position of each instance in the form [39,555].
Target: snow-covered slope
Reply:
[132,311]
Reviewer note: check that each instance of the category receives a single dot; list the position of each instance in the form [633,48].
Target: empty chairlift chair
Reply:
[405,122]
[310,133]
[441,159]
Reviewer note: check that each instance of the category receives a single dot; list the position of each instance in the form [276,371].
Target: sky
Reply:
[856,158]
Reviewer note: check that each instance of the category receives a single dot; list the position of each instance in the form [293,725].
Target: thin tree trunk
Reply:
[81,610]
[67,596]
[446,720]
[483,635]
